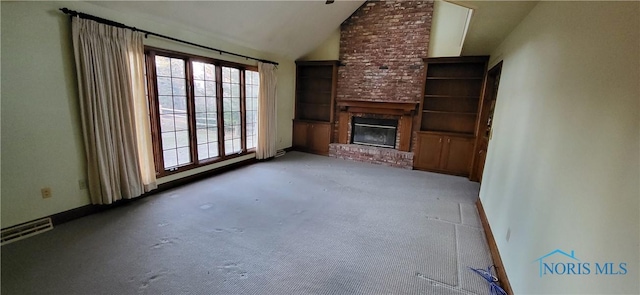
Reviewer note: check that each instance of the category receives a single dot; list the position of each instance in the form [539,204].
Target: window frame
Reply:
[154,111]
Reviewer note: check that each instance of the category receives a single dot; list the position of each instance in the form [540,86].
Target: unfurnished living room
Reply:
[320,147]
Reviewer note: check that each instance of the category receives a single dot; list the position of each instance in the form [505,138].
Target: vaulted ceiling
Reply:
[294,28]
[287,28]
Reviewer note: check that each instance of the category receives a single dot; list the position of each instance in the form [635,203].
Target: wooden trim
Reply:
[243,111]
[219,112]
[334,94]
[406,123]
[191,111]
[154,117]
[86,210]
[343,127]
[378,107]
[483,112]
[503,280]
[364,110]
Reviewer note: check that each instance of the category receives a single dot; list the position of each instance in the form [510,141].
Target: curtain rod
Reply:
[120,25]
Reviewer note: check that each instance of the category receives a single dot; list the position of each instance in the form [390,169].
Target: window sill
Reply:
[190,170]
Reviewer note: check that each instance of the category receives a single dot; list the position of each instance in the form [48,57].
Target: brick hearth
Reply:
[371,154]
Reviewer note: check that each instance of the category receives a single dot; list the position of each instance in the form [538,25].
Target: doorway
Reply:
[487,107]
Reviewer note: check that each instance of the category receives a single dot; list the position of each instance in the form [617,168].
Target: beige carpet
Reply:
[300,224]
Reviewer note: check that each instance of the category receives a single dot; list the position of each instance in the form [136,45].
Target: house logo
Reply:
[558,262]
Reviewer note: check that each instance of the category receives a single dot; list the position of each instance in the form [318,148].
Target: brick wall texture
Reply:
[371,154]
[392,35]
[381,46]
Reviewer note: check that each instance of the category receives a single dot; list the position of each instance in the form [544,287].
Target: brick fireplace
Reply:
[381,47]
[401,112]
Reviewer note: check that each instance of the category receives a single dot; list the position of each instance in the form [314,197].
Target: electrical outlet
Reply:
[508,234]
[82,184]
[46,192]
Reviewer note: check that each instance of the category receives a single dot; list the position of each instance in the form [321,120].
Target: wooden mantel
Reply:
[377,107]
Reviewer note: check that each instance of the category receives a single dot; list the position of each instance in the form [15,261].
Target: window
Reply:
[202,110]
[252,82]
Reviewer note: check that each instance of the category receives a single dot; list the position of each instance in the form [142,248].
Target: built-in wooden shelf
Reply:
[452,91]
[316,83]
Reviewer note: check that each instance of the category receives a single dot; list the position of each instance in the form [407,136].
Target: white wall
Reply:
[41,137]
[328,50]
[563,166]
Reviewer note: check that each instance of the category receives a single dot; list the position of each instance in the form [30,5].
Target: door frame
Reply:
[491,87]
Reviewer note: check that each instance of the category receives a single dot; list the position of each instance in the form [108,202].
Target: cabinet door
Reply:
[429,150]
[319,138]
[300,135]
[457,154]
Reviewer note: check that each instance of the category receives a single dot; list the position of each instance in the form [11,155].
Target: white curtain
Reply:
[115,123]
[266,147]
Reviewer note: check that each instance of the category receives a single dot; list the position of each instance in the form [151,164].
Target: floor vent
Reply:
[26,230]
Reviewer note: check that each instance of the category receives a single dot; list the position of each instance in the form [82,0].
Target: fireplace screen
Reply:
[374,132]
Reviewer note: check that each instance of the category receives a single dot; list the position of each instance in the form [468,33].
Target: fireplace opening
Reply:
[374,132]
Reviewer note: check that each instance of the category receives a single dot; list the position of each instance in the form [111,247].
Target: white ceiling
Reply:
[287,28]
[294,28]
[492,21]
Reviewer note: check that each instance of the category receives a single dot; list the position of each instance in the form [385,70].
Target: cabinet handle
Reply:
[440,139]
[448,140]
[480,152]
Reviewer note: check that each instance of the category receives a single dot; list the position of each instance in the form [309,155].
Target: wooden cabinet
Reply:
[312,136]
[448,125]
[444,153]
[316,83]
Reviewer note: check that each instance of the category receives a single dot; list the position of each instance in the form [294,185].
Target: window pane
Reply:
[211,104]
[198,70]
[177,68]
[166,104]
[212,120]
[170,158]
[210,72]
[168,140]
[178,86]
[181,122]
[166,123]
[172,103]
[201,134]
[201,105]
[210,88]
[198,87]
[180,104]
[212,134]
[235,104]
[163,67]
[213,150]
[203,151]
[231,110]
[252,80]
[206,108]
[182,139]
[184,157]
[164,86]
